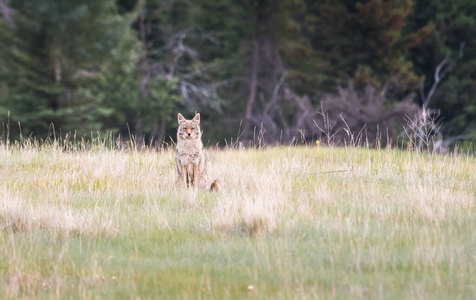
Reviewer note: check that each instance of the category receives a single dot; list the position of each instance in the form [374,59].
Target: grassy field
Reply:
[289,223]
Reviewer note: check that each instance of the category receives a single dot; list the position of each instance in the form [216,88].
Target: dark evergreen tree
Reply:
[53,57]
[364,41]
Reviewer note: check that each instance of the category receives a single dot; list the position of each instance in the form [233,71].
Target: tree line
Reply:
[274,71]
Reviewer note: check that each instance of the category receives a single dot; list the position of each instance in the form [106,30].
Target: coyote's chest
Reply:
[189,158]
[189,153]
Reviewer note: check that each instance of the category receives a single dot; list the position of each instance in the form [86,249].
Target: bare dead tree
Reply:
[178,63]
[197,89]
[424,127]
[268,100]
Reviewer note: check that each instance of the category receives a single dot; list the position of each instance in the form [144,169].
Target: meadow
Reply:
[297,222]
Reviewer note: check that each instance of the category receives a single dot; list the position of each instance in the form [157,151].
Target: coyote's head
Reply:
[189,129]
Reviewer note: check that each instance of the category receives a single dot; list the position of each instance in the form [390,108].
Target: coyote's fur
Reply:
[191,158]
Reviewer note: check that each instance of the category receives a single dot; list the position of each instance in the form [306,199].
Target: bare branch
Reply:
[423,124]
[274,95]
[440,65]
[426,99]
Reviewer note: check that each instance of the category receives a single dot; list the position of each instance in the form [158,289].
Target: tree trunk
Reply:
[139,127]
[139,132]
[161,135]
[253,87]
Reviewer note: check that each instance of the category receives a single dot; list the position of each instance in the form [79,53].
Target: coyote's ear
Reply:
[180,119]
[196,119]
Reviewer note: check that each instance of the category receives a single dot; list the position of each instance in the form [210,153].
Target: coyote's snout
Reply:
[191,158]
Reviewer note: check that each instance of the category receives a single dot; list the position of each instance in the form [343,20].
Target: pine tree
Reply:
[365,41]
[54,54]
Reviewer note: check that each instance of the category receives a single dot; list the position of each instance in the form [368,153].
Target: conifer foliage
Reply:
[275,67]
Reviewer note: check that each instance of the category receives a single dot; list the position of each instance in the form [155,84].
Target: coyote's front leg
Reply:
[184,176]
[195,176]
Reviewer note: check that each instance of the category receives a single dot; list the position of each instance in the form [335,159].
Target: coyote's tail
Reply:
[215,186]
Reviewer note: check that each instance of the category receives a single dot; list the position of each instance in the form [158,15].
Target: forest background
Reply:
[281,70]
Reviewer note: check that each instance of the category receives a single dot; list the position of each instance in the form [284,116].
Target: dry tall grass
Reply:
[307,221]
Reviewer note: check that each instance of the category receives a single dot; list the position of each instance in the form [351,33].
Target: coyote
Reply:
[191,157]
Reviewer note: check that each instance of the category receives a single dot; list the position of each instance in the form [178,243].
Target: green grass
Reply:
[113,224]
